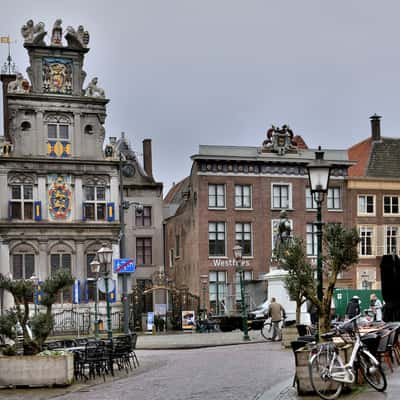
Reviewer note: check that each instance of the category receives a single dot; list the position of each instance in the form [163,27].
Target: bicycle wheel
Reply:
[372,373]
[319,369]
[266,330]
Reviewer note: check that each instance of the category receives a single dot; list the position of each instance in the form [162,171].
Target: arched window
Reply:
[61,258]
[22,259]
[23,264]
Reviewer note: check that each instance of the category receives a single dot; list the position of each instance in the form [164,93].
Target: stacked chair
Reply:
[100,356]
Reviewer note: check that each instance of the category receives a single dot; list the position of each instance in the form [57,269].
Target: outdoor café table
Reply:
[364,330]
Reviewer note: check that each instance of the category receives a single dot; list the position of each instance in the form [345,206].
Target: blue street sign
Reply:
[124,265]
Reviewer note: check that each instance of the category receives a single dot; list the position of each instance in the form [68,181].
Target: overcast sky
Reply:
[190,72]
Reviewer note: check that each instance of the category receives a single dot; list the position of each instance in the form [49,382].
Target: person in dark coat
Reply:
[353,307]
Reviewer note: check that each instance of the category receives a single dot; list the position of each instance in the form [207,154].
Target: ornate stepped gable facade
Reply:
[60,190]
[235,194]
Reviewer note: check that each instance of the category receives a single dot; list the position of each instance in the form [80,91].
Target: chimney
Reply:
[147,158]
[376,127]
[6,79]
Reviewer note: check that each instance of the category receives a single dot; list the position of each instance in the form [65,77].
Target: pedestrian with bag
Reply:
[353,307]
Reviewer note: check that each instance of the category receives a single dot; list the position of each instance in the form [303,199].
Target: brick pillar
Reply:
[147,157]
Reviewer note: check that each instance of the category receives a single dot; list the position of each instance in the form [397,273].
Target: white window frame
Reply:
[310,200]
[289,188]
[242,196]
[244,234]
[216,206]
[58,134]
[311,233]
[394,239]
[391,205]
[365,212]
[362,230]
[217,232]
[218,280]
[22,201]
[334,199]
[96,202]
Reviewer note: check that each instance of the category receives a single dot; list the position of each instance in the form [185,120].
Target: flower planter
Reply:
[302,377]
[36,370]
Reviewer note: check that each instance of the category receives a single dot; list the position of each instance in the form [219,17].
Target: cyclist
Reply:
[277,313]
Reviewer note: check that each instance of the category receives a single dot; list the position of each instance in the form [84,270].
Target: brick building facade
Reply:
[236,194]
[374,193]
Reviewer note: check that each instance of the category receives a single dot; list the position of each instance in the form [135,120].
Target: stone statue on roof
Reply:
[20,85]
[56,33]
[77,38]
[93,90]
[33,33]
[279,140]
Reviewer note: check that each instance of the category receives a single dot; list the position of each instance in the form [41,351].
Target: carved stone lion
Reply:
[77,38]
[20,85]
[33,33]
[93,90]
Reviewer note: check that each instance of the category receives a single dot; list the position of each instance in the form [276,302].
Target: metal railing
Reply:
[82,322]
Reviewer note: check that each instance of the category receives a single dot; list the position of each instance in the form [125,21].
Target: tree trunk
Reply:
[298,311]
[325,318]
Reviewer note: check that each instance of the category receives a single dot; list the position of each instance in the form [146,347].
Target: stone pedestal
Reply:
[276,288]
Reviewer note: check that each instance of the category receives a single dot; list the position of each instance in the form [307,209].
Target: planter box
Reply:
[36,370]
[302,377]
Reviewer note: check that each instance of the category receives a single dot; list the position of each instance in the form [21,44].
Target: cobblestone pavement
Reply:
[224,373]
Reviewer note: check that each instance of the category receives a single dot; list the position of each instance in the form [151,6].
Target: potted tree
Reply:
[33,369]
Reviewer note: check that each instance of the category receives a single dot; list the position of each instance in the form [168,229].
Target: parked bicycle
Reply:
[267,330]
[328,372]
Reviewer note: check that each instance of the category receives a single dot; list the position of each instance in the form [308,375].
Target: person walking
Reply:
[277,314]
[313,311]
[376,307]
[353,307]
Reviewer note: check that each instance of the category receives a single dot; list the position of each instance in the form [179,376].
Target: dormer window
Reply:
[57,132]
[58,136]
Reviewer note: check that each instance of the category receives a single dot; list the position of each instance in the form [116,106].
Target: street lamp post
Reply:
[237,252]
[318,176]
[95,266]
[204,281]
[104,256]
